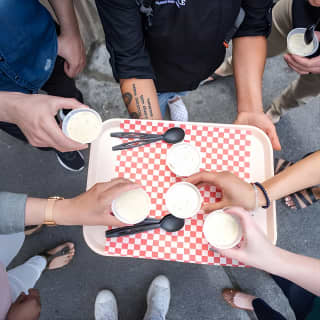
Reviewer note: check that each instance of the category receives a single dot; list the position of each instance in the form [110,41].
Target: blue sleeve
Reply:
[258,18]
[123,27]
[12,212]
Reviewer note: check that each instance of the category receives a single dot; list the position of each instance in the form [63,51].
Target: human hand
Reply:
[71,48]
[260,120]
[255,249]
[35,114]
[26,307]
[94,206]
[303,65]
[315,3]
[235,192]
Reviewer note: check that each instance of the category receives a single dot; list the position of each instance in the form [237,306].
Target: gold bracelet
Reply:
[48,215]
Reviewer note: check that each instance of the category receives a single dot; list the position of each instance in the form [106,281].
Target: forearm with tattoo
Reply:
[140,98]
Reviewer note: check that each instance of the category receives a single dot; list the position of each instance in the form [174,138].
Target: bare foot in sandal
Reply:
[59,256]
[303,198]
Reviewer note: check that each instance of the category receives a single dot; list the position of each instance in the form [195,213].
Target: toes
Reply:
[290,203]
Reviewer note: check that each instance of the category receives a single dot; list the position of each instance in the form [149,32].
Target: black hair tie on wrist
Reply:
[260,186]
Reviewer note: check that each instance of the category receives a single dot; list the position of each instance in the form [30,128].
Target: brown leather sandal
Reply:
[228,295]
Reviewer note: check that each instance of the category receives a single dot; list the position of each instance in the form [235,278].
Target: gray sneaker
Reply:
[158,299]
[274,115]
[105,307]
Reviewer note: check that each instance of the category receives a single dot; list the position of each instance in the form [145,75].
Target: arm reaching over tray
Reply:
[236,192]
[90,208]
[256,250]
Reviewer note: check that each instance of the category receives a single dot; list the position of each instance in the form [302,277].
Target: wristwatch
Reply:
[48,215]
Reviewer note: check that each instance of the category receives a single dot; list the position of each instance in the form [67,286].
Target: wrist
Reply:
[63,212]
[70,33]
[35,211]
[10,102]
[261,198]
[273,260]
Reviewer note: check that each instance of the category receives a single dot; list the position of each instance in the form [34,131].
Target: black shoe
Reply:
[72,161]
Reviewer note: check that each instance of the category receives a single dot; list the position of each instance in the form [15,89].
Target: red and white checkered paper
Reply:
[221,149]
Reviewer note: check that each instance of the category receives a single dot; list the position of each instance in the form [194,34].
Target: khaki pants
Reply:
[306,86]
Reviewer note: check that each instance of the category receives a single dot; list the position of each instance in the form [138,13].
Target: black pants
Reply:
[59,84]
[300,300]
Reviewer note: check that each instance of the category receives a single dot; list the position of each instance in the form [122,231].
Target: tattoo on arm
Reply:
[127,98]
[141,104]
[134,115]
[149,107]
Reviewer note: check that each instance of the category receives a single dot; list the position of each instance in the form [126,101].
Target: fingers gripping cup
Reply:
[132,206]
[222,230]
[82,125]
[296,44]
[183,200]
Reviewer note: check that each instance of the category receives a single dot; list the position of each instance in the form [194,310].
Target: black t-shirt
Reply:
[304,14]
[184,45]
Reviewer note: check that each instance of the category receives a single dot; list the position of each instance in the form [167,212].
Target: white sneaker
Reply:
[105,307]
[158,299]
[178,110]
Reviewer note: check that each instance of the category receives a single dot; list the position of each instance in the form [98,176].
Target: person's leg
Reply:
[281,26]
[297,93]
[25,276]
[300,300]
[264,312]
[178,110]
[244,301]
[163,101]
[59,84]
[158,299]
[105,307]
[10,246]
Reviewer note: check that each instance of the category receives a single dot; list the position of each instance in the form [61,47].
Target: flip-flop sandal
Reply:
[49,257]
[32,230]
[212,78]
[228,296]
[295,197]
[281,164]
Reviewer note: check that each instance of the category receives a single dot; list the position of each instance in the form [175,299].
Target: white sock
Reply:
[178,110]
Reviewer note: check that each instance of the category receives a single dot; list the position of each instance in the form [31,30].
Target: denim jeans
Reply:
[164,97]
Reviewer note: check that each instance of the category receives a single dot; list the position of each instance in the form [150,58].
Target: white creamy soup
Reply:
[222,230]
[84,127]
[132,206]
[183,200]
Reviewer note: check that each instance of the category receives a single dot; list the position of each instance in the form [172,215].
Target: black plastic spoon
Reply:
[172,136]
[309,33]
[168,223]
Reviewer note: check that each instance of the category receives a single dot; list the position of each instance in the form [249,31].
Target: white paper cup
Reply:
[132,207]
[222,230]
[302,50]
[82,125]
[183,159]
[183,200]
